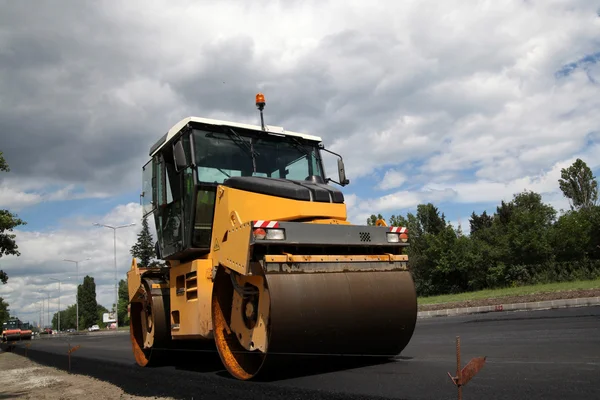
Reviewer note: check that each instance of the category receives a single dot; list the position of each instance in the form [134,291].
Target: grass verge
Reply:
[513,291]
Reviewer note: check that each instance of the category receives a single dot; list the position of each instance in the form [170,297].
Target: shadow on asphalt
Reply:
[189,372]
[205,359]
[14,395]
[278,368]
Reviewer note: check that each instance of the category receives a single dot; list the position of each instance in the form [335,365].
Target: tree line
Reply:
[525,241]
[90,312]
[8,246]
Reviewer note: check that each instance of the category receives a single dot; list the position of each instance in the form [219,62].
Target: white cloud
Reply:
[395,203]
[478,92]
[42,255]
[392,179]
[463,222]
[455,102]
[480,191]
[487,190]
[14,199]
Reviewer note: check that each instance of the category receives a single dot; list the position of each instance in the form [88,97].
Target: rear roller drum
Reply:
[239,316]
[148,328]
[351,313]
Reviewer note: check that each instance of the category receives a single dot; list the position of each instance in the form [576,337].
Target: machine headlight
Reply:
[269,234]
[393,237]
[275,234]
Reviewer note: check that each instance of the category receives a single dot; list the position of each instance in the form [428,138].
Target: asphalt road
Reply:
[552,354]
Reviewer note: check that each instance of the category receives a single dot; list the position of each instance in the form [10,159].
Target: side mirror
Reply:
[179,156]
[342,172]
[341,169]
[157,250]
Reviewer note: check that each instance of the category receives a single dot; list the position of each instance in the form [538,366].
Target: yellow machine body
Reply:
[317,285]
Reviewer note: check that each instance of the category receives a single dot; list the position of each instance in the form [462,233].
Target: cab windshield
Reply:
[223,155]
[10,325]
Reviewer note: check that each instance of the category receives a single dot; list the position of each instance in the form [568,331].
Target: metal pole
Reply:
[48,312]
[58,317]
[114,228]
[77,289]
[458,371]
[59,306]
[116,290]
[77,297]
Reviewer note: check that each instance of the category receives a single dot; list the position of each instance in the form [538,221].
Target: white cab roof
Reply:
[269,128]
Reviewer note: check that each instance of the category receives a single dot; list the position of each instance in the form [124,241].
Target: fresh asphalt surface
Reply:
[551,354]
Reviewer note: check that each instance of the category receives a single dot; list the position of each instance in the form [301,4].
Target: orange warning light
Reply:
[260,99]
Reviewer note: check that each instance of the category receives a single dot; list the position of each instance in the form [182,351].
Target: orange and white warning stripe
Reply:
[265,224]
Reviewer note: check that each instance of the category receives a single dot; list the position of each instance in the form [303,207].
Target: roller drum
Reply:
[356,313]
[334,313]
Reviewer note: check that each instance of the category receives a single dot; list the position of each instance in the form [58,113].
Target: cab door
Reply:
[147,199]
[169,211]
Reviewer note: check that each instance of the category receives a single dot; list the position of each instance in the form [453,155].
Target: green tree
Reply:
[571,236]
[579,185]
[4,311]
[504,212]
[398,220]
[123,302]
[143,249]
[529,229]
[452,262]
[521,243]
[88,306]
[373,219]
[594,243]
[8,221]
[422,229]
[479,223]
[430,219]
[68,318]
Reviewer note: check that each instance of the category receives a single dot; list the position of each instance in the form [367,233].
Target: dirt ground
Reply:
[570,294]
[24,379]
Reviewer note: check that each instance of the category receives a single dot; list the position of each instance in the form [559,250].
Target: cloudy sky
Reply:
[461,103]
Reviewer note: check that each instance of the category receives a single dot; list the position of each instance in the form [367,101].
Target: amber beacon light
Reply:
[260,103]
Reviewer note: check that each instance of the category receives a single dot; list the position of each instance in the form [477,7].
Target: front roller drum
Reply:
[346,313]
[148,329]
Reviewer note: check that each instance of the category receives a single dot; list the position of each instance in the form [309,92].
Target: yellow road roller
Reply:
[259,257]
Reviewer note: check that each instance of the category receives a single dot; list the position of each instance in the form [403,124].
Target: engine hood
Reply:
[290,189]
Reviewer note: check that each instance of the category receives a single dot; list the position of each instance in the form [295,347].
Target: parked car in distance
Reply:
[94,328]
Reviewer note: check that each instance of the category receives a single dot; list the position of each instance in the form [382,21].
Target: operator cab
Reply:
[12,324]
[197,154]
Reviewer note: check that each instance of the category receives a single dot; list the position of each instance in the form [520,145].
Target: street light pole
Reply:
[48,312]
[77,288]
[54,279]
[114,228]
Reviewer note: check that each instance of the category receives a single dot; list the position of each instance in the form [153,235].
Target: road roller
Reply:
[15,329]
[259,257]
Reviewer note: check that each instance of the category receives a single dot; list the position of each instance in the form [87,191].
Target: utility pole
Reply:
[48,312]
[57,280]
[114,228]
[77,289]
